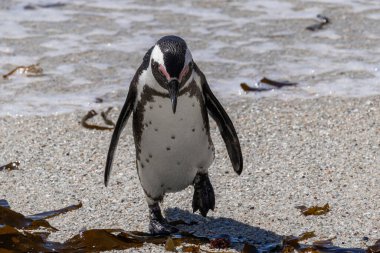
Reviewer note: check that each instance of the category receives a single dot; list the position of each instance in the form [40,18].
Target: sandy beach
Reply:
[311,144]
[297,152]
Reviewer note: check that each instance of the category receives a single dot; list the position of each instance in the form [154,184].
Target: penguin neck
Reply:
[151,83]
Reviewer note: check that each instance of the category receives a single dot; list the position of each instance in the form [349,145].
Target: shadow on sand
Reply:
[210,227]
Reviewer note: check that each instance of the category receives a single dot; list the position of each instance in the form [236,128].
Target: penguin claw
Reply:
[162,227]
[204,197]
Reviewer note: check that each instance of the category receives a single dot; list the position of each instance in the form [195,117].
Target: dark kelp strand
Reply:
[104,115]
[314,210]
[278,84]
[322,21]
[48,5]
[10,166]
[90,115]
[51,214]
[272,85]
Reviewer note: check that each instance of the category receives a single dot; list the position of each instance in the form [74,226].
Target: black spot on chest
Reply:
[148,95]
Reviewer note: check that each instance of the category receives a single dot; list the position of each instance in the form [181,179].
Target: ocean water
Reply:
[91,49]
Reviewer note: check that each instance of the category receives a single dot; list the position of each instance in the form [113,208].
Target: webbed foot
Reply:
[158,224]
[204,198]
[161,227]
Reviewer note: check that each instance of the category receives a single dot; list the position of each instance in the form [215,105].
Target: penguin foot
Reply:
[161,227]
[204,198]
[158,224]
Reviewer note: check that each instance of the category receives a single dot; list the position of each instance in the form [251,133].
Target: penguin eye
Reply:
[163,72]
[184,72]
[154,64]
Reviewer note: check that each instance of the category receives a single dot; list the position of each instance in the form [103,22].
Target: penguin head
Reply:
[172,65]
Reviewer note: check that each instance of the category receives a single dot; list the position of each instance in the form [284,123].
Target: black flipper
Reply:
[121,122]
[124,114]
[226,128]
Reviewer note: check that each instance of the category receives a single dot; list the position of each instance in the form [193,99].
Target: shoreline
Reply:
[296,152]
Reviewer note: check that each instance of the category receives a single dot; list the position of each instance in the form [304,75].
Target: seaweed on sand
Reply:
[10,166]
[105,118]
[272,85]
[30,71]
[314,210]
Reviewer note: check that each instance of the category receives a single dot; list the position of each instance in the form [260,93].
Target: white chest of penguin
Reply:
[174,146]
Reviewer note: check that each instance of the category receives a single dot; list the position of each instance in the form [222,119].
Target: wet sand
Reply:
[296,152]
[92,49]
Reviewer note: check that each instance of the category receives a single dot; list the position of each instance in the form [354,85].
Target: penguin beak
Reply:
[173,93]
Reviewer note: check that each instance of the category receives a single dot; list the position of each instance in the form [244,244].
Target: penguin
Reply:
[171,101]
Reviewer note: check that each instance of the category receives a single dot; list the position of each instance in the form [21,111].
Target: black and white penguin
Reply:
[170,100]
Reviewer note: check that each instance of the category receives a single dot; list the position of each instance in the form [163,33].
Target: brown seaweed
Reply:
[17,220]
[249,248]
[220,243]
[294,240]
[14,238]
[92,114]
[51,214]
[323,20]
[314,210]
[292,244]
[96,240]
[107,239]
[169,245]
[10,166]
[191,248]
[374,248]
[264,80]
[104,115]
[30,71]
